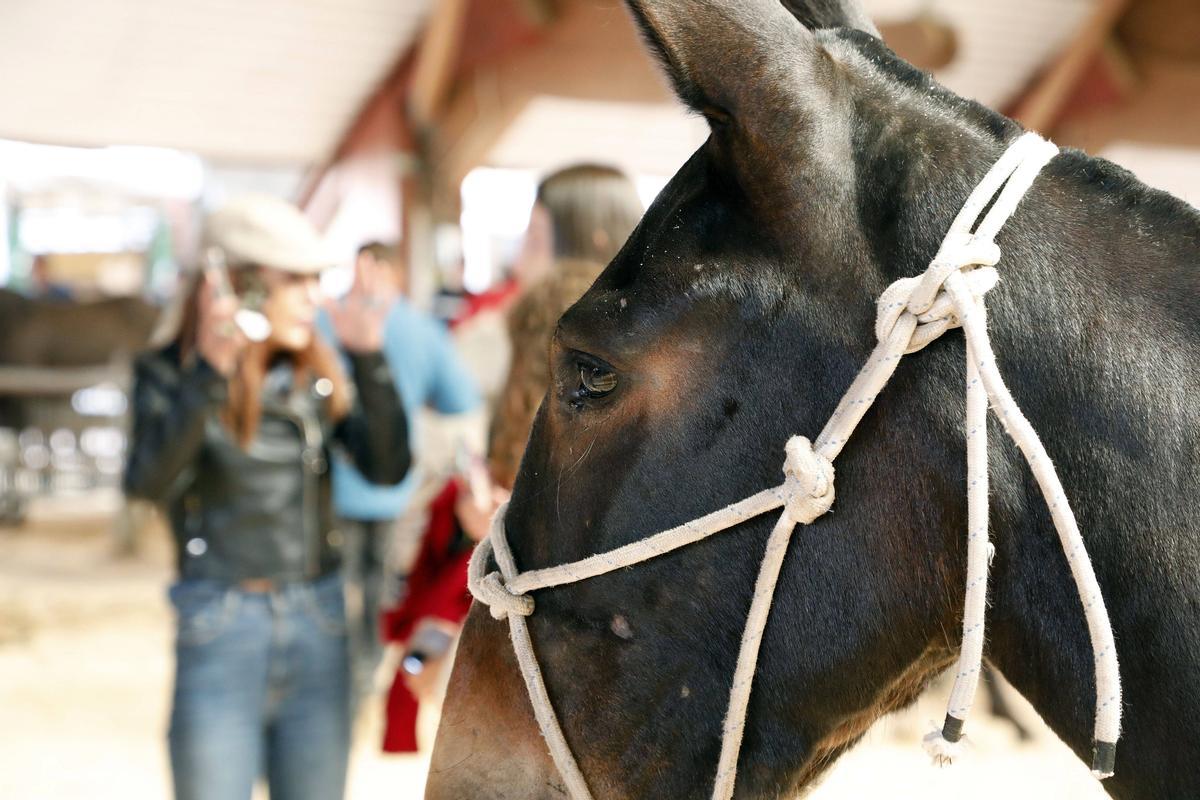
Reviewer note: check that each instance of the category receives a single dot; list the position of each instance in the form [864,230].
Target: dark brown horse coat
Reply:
[735,316]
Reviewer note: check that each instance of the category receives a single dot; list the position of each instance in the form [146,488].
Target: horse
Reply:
[49,334]
[736,315]
[45,333]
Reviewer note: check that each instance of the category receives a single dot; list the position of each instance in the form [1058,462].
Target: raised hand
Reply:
[219,341]
[358,317]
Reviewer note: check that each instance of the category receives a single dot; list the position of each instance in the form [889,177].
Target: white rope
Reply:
[911,313]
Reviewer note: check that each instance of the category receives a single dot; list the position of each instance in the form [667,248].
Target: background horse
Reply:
[50,334]
[47,333]
[735,316]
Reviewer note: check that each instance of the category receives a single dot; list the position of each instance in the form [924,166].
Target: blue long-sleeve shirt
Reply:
[428,373]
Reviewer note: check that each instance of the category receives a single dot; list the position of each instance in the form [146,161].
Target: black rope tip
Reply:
[952,728]
[1104,758]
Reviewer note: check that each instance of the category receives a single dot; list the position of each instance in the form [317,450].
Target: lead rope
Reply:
[912,312]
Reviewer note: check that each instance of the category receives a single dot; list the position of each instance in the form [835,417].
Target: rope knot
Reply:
[924,296]
[491,588]
[809,481]
[500,600]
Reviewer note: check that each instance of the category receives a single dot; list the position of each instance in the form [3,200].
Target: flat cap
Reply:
[262,230]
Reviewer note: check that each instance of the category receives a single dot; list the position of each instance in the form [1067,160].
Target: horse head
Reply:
[735,316]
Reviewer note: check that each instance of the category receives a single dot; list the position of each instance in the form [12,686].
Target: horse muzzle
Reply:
[488,743]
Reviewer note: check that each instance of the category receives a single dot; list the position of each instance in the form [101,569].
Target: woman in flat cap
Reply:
[235,419]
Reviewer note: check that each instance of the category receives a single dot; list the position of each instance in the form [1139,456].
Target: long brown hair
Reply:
[531,324]
[243,408]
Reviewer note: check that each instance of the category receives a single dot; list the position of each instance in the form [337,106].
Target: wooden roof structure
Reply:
[491,81]
[443,86]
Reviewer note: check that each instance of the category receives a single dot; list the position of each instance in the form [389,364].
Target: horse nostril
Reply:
[620,627]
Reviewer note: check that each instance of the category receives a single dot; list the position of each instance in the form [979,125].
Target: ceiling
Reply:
[244,81]
[277,82]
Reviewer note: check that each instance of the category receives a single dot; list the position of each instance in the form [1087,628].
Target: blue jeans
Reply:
[365,565]
[262,685]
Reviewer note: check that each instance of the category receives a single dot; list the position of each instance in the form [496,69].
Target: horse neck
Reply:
[1104,360]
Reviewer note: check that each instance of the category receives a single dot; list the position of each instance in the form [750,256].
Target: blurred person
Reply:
[582,212]
[581,218]
[233,438]
[429,374]
[43,283]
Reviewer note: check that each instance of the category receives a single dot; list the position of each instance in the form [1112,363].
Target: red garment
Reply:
[437,588]
[498,297]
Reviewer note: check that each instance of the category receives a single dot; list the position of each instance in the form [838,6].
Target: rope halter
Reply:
[808,481]
[925,297]
[491,588]
[501,602]
[911,313]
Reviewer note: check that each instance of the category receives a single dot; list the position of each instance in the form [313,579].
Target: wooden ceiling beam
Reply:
[1039,109]
[437,56]
[1163,27]
[589,50]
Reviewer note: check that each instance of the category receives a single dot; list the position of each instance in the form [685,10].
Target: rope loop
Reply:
[490,588]
[924,296]
[958,251]
[809,481]
[500,600]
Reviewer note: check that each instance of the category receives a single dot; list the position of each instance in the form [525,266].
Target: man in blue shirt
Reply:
[428,373]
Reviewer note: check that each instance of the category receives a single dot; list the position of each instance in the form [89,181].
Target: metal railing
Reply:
[62,432]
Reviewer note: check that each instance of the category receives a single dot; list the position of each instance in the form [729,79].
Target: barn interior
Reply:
[422,122]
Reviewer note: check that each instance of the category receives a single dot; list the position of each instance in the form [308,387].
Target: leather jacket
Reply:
[264,511]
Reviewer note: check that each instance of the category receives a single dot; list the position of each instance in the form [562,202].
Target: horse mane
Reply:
[1153,205]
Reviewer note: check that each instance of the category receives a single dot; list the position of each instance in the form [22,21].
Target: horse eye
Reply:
[596,381]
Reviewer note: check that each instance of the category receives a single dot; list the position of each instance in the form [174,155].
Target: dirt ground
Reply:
[85,660]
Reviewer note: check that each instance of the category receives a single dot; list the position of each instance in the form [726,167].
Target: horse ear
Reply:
[818,14]
[720,53]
